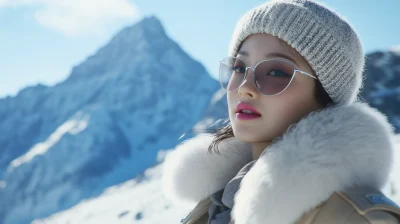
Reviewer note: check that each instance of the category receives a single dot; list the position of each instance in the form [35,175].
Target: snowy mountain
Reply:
[103,125]
[141,201]
[382,83]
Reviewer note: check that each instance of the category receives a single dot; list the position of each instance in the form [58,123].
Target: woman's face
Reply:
[277,112]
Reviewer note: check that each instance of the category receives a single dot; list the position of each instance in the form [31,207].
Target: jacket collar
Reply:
[327,151]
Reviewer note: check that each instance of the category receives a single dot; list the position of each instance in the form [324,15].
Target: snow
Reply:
[72,127]
[218,96]
[3,184]
[203,125]
[140,200]
[395,49]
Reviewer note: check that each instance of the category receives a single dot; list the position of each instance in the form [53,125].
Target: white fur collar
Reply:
[327,151]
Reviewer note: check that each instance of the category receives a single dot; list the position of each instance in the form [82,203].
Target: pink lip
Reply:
[246,106]
[243,116]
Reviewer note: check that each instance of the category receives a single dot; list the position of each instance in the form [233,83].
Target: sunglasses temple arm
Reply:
[305,73]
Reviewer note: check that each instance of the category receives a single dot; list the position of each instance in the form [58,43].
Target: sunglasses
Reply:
[271,77]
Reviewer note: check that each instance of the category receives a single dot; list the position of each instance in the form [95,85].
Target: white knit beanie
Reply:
[321,36]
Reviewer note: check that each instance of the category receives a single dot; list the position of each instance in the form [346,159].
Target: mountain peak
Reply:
[144,38]
[149,28]
[151,21]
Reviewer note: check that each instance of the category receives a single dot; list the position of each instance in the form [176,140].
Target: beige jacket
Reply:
[301,176]
[348,207]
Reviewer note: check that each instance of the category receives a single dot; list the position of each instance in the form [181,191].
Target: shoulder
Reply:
[371,204]
[359,205]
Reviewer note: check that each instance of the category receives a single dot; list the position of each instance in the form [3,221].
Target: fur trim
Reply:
[327,151]
[191,174]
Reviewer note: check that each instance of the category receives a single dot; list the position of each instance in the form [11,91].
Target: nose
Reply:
[247,88]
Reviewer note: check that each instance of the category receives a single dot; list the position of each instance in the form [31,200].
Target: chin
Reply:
[247,136]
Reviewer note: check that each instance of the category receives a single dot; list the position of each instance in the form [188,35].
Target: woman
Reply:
[299,148]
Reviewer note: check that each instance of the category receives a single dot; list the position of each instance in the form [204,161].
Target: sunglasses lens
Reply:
[231,73]
[273,76]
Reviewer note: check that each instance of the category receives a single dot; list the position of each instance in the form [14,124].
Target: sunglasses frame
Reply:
[295,70]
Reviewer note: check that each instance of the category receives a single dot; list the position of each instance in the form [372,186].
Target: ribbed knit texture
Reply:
[320,35]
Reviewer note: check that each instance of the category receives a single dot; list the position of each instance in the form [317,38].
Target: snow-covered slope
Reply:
[102,126]
[141,201]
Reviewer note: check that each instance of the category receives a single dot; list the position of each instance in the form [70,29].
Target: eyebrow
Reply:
[273,54]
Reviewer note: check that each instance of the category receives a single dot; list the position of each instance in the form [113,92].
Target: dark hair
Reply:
[321,96]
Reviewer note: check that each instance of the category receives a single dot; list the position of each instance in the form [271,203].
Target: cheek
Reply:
[289,108]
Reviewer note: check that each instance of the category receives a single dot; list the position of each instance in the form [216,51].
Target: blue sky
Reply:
[41,40]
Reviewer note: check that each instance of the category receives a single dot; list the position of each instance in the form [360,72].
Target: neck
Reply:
[258,147]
